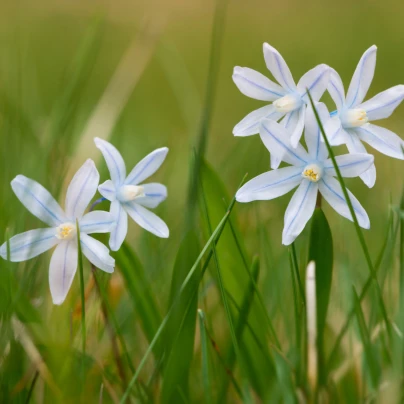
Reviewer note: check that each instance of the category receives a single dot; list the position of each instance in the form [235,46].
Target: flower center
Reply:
[130,192]
[66,231]
[353,118]
[312,172]
[287,103]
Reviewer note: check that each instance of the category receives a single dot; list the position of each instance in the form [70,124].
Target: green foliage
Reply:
[145,339]
[321,252]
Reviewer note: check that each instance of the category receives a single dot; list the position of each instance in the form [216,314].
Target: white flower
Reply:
[62,232]
[311,171]
[128,197]
[288,100]
[350,124]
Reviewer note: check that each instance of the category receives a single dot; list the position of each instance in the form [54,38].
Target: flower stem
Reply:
[83,299]
[319,200]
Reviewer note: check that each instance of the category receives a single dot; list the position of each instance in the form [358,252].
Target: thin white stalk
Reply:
[311,311]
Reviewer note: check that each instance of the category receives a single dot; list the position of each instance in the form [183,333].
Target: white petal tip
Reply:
[58,301]
[288,240]
[98,141]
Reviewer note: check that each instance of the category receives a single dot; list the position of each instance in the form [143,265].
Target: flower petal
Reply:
[147,166]
[97,253]
[350,165]
[275,162]
[97,221]
[336,89]
[335,132]
[312,134]
[270,185]
[38,200]
[277,140]
[354,146]
[383,104]
[299,211]
[255,85]
[362,78]
[63,267]
[146,219]
[381,139]
[81,190]
[315,81]
[278,67]
[331,190]
[250,124]
[29,244]
[154,194]
[298,129]
[107,190]
[118,234]
[114,160]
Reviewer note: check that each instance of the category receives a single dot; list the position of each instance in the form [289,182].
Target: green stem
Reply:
[213,239]
[355,220]
[82,294]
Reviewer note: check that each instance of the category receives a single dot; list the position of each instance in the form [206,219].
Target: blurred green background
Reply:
[135,72]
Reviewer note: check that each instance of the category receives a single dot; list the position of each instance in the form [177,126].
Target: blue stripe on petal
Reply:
[300,206]
[257,85]
[283,145]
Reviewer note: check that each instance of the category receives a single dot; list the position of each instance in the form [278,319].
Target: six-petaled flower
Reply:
[311,171]
[128,194]
[62,232]
[288,99]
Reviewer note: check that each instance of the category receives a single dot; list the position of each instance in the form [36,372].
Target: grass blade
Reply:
[355,220]
[371,364]
[215,49]
[213,239]
[140,292]
[362,295]
[82,294]
[179,334]
[321,252]
[207,389]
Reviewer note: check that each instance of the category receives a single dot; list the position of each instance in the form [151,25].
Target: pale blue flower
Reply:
[288,99]
[350,123]
[311,171]
[129,196]
[62,232]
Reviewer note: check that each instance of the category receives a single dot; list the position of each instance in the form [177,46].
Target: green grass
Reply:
[216,313]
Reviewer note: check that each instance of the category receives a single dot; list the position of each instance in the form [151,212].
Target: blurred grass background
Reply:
[135,72]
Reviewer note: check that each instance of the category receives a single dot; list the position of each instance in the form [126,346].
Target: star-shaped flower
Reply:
[350,123]
[129,196]
[62,232]
[311,171]
[288,99]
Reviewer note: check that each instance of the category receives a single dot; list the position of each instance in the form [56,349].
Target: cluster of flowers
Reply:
[312,171]
[128,196]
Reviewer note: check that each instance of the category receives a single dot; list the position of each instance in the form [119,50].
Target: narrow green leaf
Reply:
[371,363]
[235,272]
[207,388]
[355,220]
[202,139]
[365,289]
[180,330]
[215,237]
[140,292]
[321,252]
[82,294]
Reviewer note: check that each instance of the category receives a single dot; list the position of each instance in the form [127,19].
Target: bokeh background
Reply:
[135,72]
